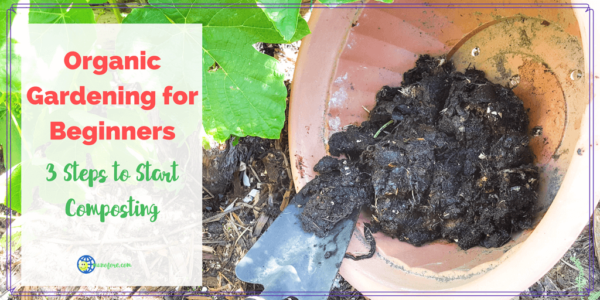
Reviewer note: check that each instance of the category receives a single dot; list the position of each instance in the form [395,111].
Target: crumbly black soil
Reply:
[453,162]
[334,196]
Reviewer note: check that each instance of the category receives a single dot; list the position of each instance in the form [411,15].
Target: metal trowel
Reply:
[288,261]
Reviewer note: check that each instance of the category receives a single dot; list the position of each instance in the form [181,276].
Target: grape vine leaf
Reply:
[284,17]
[15,121]
[15,188]
[4,6]
[242,90]
[15,238]
[15,82]
[5,116]
[63,13]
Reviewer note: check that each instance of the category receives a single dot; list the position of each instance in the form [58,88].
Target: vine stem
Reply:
[383,127]
[116,11]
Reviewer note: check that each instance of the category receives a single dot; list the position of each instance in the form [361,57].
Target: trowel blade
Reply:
[288,261]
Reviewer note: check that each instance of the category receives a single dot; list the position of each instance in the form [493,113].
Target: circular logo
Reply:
[86,264]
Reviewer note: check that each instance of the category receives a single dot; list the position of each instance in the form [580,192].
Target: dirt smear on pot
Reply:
[444,156]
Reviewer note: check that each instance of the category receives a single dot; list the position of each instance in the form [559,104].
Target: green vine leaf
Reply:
[15,189]
[16,85]
[15,238]
[15,66]
[5,5]
[96,1]
[63,14]
[15,134]
[285,18]
[243,89]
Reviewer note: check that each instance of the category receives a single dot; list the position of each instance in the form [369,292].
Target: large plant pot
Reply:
[353,52]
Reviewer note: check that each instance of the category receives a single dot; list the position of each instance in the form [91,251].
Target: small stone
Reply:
[536,131]
[514,81]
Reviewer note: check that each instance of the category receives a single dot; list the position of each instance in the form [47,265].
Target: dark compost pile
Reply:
[451,162]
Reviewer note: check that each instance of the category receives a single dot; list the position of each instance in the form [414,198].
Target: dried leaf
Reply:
[286,196]
[237,218]
[260,224]
[286,200]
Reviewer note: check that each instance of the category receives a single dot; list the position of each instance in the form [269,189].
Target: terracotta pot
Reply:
[353,52]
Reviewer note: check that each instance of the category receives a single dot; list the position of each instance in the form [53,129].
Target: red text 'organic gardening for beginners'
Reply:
[91,134]
[145,99]
[100,63]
